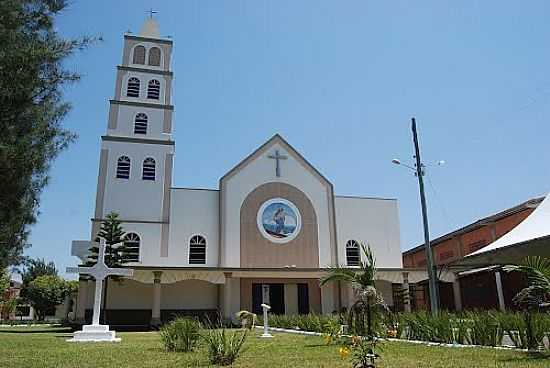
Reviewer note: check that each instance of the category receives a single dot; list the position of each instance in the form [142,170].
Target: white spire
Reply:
[150,28]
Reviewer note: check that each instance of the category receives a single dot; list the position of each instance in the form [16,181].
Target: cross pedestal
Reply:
[266,333]
[97,332]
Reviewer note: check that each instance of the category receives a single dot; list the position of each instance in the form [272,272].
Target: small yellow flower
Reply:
[344,352]
[328,339]
[392,333]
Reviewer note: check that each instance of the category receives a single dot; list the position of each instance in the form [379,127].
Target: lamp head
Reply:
[396,161]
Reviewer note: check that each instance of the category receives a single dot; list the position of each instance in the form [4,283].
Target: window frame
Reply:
[133,87]
[153,83]
[353,244]
[149,56]
[146,122]
[143,167]
[118,162]
[139,244]
[144,55]
[189,249]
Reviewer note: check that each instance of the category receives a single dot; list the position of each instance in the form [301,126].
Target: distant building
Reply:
[476,288]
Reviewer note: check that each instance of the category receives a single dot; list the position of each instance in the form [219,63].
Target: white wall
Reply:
[134,198]
[126,119]
[193,212]
[258,172]
[373,221]
[144,79]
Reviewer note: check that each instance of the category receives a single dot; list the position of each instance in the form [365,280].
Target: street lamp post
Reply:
[432,270]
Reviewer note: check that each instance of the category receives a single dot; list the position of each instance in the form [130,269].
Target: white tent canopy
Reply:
[530,238]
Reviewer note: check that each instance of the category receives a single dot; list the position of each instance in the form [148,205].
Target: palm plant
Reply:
[362,282]
[536,295]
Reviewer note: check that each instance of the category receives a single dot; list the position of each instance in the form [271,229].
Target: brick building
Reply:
[474,288]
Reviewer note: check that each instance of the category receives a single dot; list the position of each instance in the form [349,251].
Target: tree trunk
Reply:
[369,319]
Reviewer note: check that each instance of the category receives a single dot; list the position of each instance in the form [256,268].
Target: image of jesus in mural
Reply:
[279,219]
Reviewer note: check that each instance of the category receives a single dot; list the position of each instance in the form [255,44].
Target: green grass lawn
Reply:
[46,347]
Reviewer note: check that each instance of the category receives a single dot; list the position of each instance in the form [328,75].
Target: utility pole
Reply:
[432,270]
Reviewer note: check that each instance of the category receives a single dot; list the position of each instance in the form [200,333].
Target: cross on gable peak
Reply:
[277,157]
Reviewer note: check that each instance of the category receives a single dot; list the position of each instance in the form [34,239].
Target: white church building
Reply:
[267,233]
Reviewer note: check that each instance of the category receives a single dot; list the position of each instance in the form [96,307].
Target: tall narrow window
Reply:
[197,250]
[131,243]
[133,87]
[154,56]
[140,124]
[148,169]
[139,55]
[153,89]
[123,168]
[352,253]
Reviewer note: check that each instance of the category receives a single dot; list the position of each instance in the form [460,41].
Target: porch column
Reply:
[80,313]
[500,293]
[155,312]
[231,296]
[456,293]
[406,295]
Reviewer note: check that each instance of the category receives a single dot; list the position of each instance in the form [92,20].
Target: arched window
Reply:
[153,90]
[154,56]
[123,168]
[133,87]
[131,243]
[197,250]
[140,124]
[352,253]
[148,169]
[139,55]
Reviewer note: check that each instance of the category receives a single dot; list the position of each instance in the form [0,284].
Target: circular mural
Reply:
[279,220]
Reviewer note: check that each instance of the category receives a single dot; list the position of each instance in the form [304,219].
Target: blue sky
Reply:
[340,81]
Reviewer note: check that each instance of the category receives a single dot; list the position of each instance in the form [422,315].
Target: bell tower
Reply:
[135,166]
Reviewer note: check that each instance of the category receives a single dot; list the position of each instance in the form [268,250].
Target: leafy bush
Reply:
[484,329]
[306,322]
[181,334]
[224,347]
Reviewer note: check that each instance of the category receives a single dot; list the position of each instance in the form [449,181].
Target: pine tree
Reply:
[116,252]
[33,79]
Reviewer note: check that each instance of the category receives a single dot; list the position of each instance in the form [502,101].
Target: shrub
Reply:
[484,329]
[224,347]
[181,334]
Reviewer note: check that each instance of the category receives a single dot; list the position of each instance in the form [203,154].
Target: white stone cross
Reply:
[100,272]
[277,157]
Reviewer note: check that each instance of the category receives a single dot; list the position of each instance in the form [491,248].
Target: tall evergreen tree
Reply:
[116,252]
[32,77]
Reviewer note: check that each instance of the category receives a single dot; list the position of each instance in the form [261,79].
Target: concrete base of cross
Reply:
[264,335]
[94,333]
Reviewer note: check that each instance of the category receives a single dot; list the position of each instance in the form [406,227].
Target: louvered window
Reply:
[153,89]
[131,243]
[154,56]
[133,87]
[197,250]
[123,167]
[140,124]
[148,169]
[139,55]
[352,253]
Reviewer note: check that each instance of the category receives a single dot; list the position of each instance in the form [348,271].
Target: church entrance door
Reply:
[276,298]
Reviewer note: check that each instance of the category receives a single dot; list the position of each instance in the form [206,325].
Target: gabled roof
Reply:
[531,203]
[266,146]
